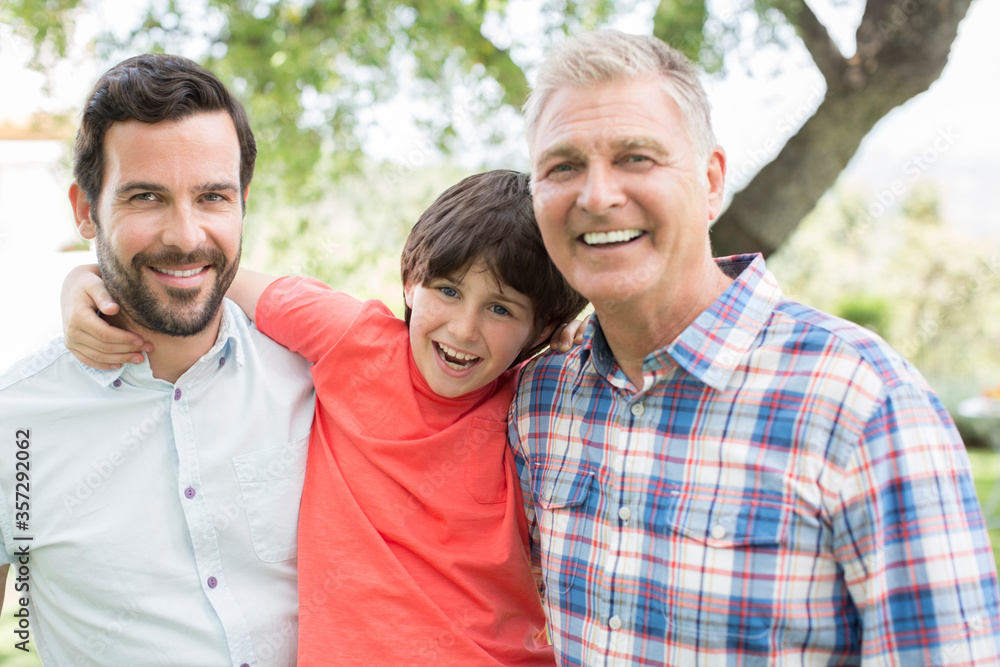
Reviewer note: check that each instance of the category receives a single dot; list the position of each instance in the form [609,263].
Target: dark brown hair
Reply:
[152,88]
[489,217]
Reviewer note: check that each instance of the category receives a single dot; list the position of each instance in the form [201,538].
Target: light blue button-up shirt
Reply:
[159,519]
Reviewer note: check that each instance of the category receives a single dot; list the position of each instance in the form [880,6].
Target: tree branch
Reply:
[821,47]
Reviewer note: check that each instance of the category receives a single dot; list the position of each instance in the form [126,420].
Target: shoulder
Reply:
[312,296]
[259,352]
[40,366]
[814,331]
[551,365]
[544,378]
[843,366]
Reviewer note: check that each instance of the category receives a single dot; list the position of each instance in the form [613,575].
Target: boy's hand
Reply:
[92,340]
[569,335]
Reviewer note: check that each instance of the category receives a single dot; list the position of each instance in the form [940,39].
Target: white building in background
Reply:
[36,229]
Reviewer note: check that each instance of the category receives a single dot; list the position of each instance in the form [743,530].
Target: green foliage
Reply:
[929,291]
[311,71]
[352,236]
[680,24]
[870,311]
[46,23]
[738,27]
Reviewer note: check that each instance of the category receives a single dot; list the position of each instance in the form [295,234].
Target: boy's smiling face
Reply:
[465,332]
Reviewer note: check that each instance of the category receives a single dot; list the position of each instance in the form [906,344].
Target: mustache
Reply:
[210,256]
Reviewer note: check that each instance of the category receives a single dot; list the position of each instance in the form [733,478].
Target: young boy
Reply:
[412,537]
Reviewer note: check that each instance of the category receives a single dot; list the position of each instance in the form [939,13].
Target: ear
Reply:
[81,211]
[408,296]
[716,175]
[246,195]
[543,337]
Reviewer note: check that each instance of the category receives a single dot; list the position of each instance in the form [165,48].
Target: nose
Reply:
[601,191]
[183,229]
[464,325]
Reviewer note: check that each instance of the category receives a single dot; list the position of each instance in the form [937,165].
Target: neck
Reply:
[172,356]
[635,330]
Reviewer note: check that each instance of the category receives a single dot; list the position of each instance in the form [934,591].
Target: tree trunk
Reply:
[903,46]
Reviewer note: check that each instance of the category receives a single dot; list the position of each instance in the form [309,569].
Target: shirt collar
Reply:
[234,335]
[711,347]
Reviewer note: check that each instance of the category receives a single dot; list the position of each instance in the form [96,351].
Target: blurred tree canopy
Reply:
[311,71]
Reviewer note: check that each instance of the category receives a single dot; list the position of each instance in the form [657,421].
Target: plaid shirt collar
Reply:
[710,347]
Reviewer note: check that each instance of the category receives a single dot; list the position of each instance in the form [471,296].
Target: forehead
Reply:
[638,109]
[201,146]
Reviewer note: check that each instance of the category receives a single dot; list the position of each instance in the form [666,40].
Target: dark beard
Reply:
[179,314]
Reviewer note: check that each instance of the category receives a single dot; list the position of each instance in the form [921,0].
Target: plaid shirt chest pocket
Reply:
[561,493]
[723,557]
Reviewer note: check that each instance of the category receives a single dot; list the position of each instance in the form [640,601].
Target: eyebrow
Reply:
[133,186]
[640,142]
[571,152]
[144,186]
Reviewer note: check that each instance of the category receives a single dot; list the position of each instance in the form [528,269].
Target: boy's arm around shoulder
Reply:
[302,314]
[247,288]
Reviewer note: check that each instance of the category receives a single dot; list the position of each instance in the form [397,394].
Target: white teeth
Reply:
[600,238]
[466,359]
[181,274]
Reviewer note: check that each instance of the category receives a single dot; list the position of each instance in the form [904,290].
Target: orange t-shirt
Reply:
[412,537]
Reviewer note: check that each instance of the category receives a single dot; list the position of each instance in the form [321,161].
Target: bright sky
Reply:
[951,130]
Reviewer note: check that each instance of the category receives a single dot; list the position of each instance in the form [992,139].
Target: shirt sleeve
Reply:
[305,315]
[523,470]
[912,541]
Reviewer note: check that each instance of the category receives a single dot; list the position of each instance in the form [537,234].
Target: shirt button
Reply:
[624,513]
[718,531]
[189,492]
[222,361]
[638,409]
[615,623]
[177,394]
[117,383]
[547,496]
[212,582]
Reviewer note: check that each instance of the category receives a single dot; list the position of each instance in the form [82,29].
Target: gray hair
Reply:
[608,56]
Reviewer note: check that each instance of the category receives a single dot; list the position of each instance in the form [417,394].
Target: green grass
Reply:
[986,474]
[985,468]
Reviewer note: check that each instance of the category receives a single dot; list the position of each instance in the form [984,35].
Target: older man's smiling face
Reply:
[621,197]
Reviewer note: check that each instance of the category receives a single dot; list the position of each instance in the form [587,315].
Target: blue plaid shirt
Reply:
[784,489]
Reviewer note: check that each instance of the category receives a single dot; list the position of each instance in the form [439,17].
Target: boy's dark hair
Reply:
[152,88]
[489,217]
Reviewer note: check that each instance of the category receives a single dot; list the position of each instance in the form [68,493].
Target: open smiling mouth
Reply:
[455,359]
[179,274]
[611,238]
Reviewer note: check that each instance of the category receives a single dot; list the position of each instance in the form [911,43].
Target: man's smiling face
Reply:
[622,198]
[169,222]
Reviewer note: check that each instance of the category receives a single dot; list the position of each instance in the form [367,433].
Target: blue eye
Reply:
[448,291]
[499,310]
